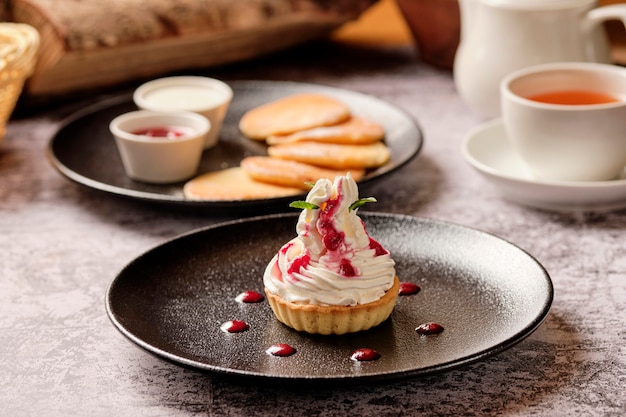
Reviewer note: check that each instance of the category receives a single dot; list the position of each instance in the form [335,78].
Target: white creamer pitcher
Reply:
[500,36]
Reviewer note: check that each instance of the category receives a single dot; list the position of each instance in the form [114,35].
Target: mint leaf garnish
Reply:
[361,202]
[303,205]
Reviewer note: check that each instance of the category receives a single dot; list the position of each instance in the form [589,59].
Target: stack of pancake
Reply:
[309,136]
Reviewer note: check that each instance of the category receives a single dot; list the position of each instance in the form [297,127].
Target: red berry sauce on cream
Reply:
[299,262]
[346,269]
[378,248]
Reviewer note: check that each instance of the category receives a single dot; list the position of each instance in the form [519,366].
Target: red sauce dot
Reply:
[409,288]
[365,354]
[234,326]
[429,328]
[281,349]
[249,297]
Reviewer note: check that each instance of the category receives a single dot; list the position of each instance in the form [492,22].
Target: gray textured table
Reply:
[61,244]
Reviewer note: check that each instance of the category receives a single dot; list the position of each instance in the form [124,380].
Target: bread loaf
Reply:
[92,43]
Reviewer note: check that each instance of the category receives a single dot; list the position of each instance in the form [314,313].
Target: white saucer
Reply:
[486,148]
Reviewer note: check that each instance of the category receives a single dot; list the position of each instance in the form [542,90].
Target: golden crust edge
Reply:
[336,320]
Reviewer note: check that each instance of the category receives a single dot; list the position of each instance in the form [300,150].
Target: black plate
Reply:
[84,151]
[487,293]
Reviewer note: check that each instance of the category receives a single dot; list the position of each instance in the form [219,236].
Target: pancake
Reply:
[233,184]
[332,155]
[291,173]
[356,131]
[291,114]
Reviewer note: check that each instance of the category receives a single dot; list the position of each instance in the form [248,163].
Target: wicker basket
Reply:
[19,44]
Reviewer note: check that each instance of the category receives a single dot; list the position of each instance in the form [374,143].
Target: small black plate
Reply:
[487,293]
[84,151]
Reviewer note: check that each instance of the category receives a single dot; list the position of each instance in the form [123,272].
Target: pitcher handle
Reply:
[593,19]
[604,13]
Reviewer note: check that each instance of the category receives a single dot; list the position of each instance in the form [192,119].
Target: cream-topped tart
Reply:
[332,278]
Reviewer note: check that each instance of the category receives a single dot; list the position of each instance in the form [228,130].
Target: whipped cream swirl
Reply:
[332,261]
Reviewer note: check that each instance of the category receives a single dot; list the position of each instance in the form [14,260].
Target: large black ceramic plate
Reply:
[84,151]
[487,293]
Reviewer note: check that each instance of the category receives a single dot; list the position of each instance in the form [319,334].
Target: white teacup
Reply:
[209,97]
[584,140]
